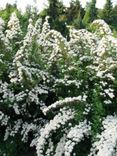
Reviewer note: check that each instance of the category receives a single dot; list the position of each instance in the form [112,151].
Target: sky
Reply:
[41,3]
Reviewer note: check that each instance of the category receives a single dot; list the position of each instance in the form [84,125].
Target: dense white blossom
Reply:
[14,27]
[102,28]
[107,139]
[53,90]
[59,120]
[62,103]
[60,146]
[75,135]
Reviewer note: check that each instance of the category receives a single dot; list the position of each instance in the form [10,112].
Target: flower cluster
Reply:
[14,27]
[62,103]
[101,27]
[94,56]
[54,92]
[75,135]
[107,140]
[60,120]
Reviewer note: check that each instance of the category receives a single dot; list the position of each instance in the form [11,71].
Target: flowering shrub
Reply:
[55,94]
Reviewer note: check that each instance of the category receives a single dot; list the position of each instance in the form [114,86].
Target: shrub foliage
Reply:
[56,94]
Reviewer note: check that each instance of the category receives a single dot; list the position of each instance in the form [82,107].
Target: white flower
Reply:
[107,140]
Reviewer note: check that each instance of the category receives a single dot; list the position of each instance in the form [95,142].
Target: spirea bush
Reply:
[58,95]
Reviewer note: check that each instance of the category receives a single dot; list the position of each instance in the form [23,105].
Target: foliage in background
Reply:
[61,16]
[56,12]
[91,13]
[74,14]
[107,12]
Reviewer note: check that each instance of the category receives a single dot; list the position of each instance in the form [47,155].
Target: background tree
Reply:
[91,13]
[77,23]
[107,14]
[6,13]
[74,11]
[114,12]
[55,11]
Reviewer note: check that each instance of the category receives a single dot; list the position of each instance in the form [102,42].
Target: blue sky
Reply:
[41,3]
